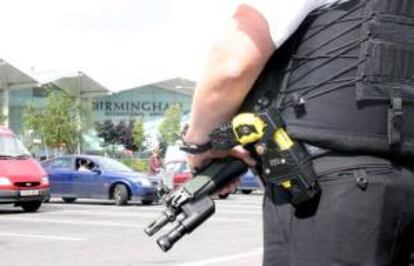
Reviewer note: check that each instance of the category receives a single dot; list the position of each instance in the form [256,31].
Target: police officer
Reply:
[342,74]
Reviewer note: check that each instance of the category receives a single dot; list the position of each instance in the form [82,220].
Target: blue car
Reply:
[86,176]
[248,183]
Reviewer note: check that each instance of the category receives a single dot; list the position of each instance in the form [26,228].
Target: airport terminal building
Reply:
[19,90]
[148,102]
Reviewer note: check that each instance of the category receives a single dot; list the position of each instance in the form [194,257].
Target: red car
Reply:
[178,171]
[23,182]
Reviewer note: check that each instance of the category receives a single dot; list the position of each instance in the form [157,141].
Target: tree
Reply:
[128,139]
[170,126]
[107,132]
[138,133]
[130,135]
[125,134]
[59,123]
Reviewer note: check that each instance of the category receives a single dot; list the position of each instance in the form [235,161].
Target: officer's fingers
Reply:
[243,154]
[196,161]
[234,185]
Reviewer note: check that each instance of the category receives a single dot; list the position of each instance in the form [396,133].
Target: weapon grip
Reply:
[220,172]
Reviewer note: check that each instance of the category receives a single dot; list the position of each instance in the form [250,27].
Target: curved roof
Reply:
[179,85]
[78,83]
[13,78]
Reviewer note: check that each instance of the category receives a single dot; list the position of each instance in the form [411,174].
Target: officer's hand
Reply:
[197,161]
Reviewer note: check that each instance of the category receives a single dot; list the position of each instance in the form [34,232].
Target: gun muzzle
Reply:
[165,217]
[167,241]
[195,213]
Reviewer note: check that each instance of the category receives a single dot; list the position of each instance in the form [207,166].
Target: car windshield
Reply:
[176,167]
[114,166]
[11,146]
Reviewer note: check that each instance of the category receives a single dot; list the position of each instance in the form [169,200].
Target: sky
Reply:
[119,43]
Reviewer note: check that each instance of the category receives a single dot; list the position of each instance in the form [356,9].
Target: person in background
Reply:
[155,162]
[84,167]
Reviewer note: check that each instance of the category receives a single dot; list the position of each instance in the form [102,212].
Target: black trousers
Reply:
[364,216]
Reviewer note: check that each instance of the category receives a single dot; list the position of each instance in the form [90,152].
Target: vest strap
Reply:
[395,121]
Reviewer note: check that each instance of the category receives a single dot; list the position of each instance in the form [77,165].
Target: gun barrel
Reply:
[165,217]
[192,203]
[166,242]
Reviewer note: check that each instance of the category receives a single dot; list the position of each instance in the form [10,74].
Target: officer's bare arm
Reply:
[233,66]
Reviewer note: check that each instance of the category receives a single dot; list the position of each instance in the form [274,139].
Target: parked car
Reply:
[178,171]
[104,178]
[23,182]
[159,181]
[248,183]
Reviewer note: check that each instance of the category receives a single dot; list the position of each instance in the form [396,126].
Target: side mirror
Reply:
[96,170]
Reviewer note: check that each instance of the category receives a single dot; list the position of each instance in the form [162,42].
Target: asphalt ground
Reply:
[90,232]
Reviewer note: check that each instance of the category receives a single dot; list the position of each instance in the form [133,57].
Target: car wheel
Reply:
[68,200]
[146,202]
[246,191]
[120,195]
[31,206]
[223,196]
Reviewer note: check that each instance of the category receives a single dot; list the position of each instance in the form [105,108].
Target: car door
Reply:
[90,184]
[61,176]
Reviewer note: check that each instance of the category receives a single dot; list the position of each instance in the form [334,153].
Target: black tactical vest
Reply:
[345,80]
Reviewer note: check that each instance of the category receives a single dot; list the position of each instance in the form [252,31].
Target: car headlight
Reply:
[45,180]
[4,181]
[143,181]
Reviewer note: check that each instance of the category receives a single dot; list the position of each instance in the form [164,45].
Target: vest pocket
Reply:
[361,175]
[388,71]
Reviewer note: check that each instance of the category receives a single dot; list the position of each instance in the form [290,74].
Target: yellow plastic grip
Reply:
[249,120]
[286,184]
[282,139]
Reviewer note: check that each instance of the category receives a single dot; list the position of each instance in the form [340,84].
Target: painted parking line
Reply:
[62,238]
[71,222]
[100,213]
[148,215]
[245,212]
[142,214]
[217,261]
[155,208]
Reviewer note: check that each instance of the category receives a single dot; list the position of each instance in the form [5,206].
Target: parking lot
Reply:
[99,233]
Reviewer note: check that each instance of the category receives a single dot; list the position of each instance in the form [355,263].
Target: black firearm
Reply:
[283,161]
[192,205]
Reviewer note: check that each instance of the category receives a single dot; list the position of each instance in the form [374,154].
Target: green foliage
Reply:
[130,135]
[60,122]
[138,165]
[169,128]
[3,119]
[125,134]
[138,134]
[106,130]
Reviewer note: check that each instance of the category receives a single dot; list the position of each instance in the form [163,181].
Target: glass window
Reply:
[11,146]
[184,167]
[113,165]
[61,163]
[83,164]
[176,167]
